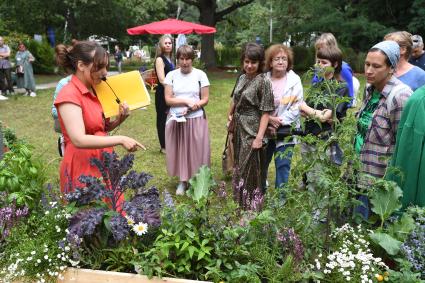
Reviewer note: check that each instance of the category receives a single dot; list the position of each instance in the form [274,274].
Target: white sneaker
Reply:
[2,97]
[33,94]
[180,189]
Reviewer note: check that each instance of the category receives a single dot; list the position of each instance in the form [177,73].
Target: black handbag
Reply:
[19,70]
[286,131]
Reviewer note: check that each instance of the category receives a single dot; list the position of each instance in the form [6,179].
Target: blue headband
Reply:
[391,49]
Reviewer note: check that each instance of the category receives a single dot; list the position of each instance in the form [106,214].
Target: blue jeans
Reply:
[363,209]
[282,161]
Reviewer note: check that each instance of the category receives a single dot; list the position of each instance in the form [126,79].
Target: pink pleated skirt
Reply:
[187,147]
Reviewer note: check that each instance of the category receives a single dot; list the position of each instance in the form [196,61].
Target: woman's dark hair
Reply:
[85,51]
[387,60]
[333,54]
[254,52]
[186,52]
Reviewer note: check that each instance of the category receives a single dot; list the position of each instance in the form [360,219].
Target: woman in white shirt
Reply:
[187,140]
[288,95]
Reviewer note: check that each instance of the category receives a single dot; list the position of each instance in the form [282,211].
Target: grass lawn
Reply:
[43,79]
[31,119]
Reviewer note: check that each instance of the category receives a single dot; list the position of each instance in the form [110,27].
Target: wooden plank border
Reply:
[75,275]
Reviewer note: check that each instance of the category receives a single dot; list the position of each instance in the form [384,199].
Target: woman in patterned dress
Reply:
[250,110]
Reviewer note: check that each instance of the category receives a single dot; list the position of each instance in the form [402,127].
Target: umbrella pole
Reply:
[175,49]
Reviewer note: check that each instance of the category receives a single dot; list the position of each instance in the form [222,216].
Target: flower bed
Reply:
[304,232]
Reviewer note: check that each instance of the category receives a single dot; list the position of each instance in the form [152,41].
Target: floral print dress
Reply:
[252,97]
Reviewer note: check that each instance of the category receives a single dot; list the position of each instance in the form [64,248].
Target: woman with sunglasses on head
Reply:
[163,65]
[288,94]
[250,110]
[80,113]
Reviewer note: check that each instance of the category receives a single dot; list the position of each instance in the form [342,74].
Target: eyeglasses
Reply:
[283,59]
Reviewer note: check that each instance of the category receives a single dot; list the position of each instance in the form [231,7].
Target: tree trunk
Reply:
[72,25]
[207,17]
[207,51]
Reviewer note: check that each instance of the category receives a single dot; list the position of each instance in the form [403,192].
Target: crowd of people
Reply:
[23,70]
[267,97]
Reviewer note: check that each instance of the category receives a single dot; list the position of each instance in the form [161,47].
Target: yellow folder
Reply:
[128,87]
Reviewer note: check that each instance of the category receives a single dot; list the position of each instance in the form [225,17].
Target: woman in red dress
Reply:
[81,118]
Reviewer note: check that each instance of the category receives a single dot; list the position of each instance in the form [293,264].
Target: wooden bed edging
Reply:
[75,275]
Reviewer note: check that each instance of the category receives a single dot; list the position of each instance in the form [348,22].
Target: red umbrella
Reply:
[171,26]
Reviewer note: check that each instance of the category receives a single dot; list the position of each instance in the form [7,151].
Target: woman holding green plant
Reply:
[81,118]
[380,113]
[288,95]
[318,107]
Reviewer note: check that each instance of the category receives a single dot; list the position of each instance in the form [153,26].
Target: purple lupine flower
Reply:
[257,200]
[9,217]
[22,212]
[222,190]
[291,243]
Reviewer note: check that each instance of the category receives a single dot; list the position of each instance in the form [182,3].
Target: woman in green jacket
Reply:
[409,154]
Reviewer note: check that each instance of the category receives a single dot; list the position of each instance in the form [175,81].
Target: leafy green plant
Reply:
[385,200]
[196,241]
[21,174]
[200,185]
[9,136]
[405,273]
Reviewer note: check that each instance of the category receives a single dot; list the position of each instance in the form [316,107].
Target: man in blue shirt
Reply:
[418,54]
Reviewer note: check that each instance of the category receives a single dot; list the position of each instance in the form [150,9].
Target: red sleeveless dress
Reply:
[76,161]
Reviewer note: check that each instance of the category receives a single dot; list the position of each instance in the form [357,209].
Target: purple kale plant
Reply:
[414,247]
[119,227]
[99,202]
[145,207]
[84,223]
[291,243]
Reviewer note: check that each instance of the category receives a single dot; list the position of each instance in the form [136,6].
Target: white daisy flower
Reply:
[140,228]
[130,221]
